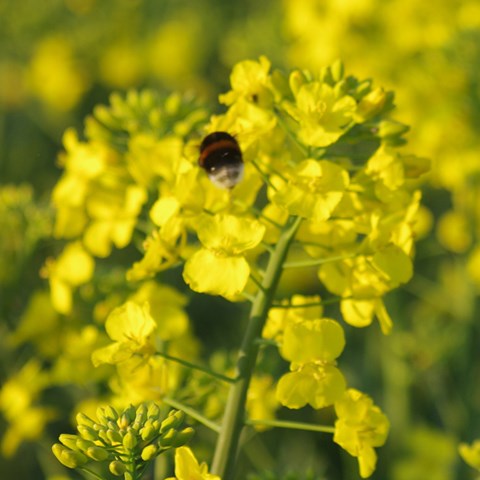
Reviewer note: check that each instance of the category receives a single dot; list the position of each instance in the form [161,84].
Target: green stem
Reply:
[293,425]
[234,417]
[192,413]
[312,262]
[194,366]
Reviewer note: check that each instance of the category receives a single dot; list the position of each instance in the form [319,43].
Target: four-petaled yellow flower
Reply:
[313,191]
[312,346]
[321,112]
[360,427]
[220,267]
[131,327]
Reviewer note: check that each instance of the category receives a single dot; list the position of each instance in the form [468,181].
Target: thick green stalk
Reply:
[234,416]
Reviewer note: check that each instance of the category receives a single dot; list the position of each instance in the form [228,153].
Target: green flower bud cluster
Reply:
[144,111]
[128,441]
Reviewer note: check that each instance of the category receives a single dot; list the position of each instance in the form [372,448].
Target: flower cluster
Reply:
[324,187]
[128,440]
[291,130]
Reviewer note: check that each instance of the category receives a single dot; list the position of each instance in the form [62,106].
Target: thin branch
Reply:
[192,413]
[292,425]
[313,262]
[194,366]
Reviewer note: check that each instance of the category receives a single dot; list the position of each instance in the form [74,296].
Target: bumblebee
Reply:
[221,158]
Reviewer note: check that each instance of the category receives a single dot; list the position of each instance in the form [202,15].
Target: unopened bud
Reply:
[168,438]
[87,433]
[83,419]
[117,468]
[114,437]
[83,444]
[140,415]
[97,453]
[174,420]
[153,411]
[296,80]
[130,440]
[67,457]
[149,452]
[371,104]
[69,440]
[337,70]
[147,433]
[391,128]
[183,437]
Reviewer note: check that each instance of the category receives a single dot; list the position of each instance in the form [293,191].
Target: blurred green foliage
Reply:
[60,59]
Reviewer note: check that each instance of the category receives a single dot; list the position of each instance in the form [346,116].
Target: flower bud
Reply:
[363,88]
[296,80]
[114,436]
[130,440]
[148,433]
[97,453]
[149,452]
[83,444]
[140,416]
[390,128]
[111,425]
[69,440]
[174,420]
[130,413]
[371,104]
[102,434]
[183,437]
[337,70]
[117,468]
[67,457]
[83,419]
[153,411]
[168,438]
[87,433]
[123,422]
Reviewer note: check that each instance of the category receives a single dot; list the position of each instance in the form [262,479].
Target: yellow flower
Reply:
[360,427]
[471,453]
[139,379]
[166,305]
[321,112]
[131,326]
[312,345]
[71,269]
[54,75]
[83,163]
[279,318]
[188,468]
[113,217]
[250,80]
[161,251]
[317,384]
[312,340]
[313,191]
[219,268]
[17,402]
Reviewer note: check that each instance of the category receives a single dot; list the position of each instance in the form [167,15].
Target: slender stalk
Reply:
[234,417]
[312,262]
[293,425]
[194,366]
[192,413]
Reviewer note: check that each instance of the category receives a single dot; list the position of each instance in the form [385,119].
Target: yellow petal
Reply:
[208,272]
